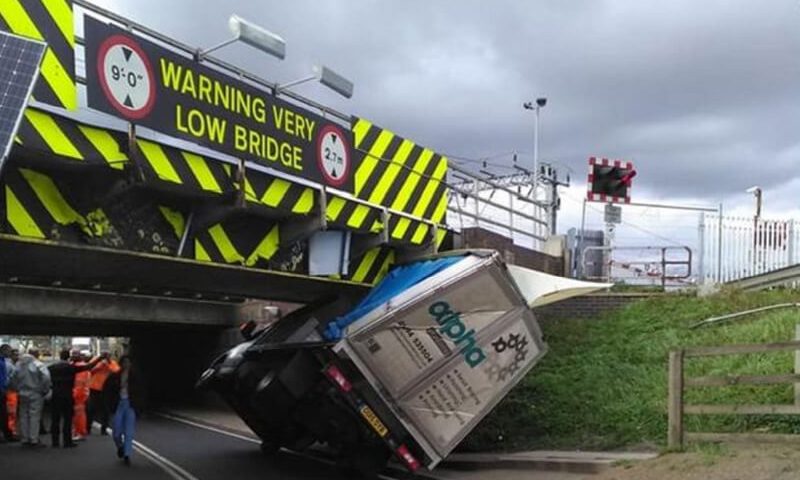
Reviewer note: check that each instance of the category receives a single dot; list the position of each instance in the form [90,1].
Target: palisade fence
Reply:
[737,247]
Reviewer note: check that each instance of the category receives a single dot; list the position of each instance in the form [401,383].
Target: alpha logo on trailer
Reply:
[515,345]
[609,180]
[451,325]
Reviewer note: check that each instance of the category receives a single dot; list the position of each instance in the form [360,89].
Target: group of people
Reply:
[80,391]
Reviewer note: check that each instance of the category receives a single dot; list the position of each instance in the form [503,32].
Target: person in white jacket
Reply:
[32,380]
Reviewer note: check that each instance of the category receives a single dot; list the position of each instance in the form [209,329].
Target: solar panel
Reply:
[19,68]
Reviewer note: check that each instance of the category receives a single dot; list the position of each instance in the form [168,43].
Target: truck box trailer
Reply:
[408,372]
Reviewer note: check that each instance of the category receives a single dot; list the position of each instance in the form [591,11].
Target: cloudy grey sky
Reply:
[704,96]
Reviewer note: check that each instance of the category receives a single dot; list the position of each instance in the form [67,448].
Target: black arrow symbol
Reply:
[333,138]
[128,103]
[333,173]
[127,52]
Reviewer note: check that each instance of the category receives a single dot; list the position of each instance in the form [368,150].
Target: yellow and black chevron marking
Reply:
[51,21]
[175,219]
[62,137]
[185,170]
[232,242]
[443,234]
[274,192]
[404,230]
[371,267]
[35,207]
[397,173]
[250,243]
[353,216]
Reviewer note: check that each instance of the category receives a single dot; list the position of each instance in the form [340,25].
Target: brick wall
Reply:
[513,254]
[587,306]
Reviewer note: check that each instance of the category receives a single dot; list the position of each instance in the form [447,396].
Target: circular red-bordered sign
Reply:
[333,155]
[126,76]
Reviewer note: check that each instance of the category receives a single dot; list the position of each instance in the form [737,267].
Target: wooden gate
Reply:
[678,385]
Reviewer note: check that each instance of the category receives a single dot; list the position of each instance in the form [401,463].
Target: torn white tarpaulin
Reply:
[540,288]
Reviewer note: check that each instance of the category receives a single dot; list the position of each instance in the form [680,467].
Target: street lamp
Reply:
[251,34]
[540,102]
[327,77]
[758,239]
[756,191]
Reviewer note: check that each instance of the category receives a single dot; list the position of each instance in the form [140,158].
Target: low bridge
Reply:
[104,232]
[107,228]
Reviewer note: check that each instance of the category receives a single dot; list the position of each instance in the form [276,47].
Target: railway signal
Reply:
[610,180]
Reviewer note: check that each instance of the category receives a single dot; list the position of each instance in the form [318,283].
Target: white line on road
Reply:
[258,442]
[173,470]
[209,428]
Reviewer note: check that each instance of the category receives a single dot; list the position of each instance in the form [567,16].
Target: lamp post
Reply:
[756,191]
[271,43]
[251,34]
[757,238]
[327,77]
[540,102]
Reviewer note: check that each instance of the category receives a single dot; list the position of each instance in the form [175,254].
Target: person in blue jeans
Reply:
[125,391]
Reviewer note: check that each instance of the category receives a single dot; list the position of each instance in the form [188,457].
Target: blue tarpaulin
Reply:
[397,281]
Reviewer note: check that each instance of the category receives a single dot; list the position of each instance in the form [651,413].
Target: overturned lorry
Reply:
[408,372]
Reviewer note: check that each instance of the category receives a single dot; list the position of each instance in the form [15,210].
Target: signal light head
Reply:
[610,181]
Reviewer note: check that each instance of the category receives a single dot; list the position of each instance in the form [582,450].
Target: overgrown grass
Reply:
[603,384]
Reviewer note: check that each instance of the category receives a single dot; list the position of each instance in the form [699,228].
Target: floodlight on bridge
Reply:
[327,77]
[251,34]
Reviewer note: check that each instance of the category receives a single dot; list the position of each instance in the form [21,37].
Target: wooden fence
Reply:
[678,384]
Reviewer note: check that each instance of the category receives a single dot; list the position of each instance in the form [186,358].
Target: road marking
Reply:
[422,476]
[243,437]
[173,470]
[209,428]
[172,473]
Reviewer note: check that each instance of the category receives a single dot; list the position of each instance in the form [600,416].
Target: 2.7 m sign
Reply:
[152,86]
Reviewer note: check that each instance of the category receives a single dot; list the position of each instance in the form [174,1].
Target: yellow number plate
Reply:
[374,421]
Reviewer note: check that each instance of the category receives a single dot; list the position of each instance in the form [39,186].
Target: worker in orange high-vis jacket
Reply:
[12,399]
[98,404]
[80,397]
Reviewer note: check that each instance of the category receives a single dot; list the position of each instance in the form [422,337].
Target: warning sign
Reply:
[155,87]
[333,155]
[126,77]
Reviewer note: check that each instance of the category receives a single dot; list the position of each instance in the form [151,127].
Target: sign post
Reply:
[613,213]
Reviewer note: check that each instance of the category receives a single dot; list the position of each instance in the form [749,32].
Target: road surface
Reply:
[166,449]
[171,448]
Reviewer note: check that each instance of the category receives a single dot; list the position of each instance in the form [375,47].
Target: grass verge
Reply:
[603,384]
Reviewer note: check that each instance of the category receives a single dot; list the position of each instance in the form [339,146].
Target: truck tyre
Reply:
[370,460]
[270,447]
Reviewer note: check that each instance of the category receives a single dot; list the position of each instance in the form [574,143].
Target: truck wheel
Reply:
[370,461]
[270,447]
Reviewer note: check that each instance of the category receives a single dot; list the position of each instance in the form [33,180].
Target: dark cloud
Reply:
[703,96]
